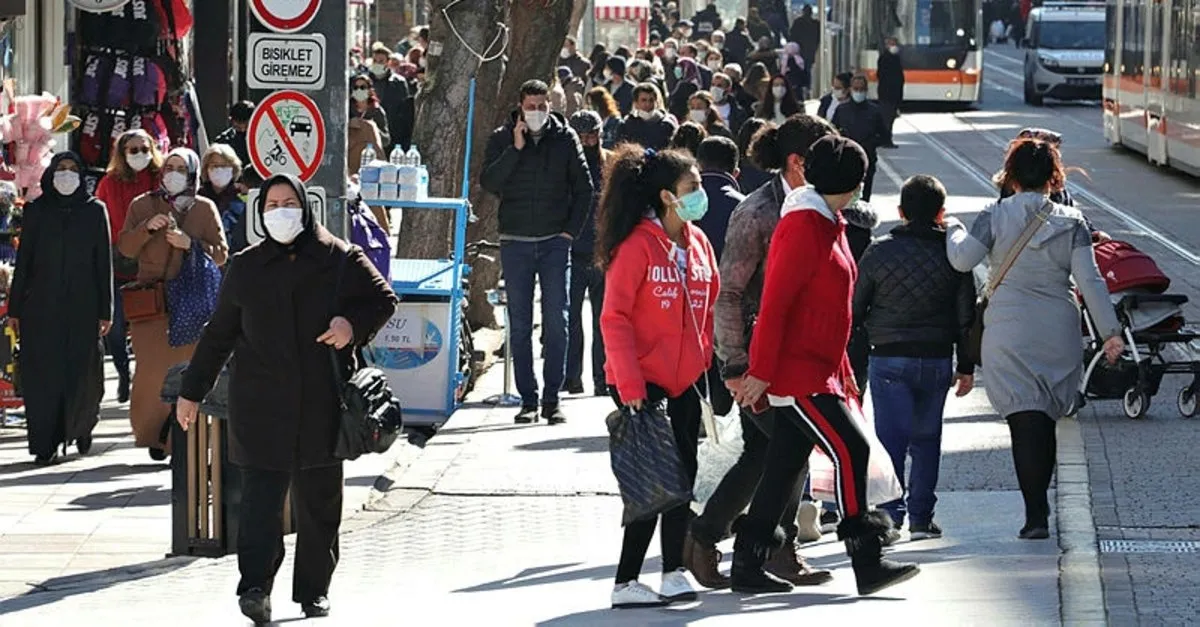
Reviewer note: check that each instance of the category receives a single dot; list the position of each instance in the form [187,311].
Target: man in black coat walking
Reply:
[891,87]
[862,121]
[647,124]
[586,278]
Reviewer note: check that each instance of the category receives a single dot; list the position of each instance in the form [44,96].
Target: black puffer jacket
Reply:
[912,302]
[545,188]
[654,133]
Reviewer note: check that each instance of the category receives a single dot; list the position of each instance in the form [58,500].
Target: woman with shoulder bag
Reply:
[1037,247]
[660,288]
[285,301]
[159,233]
[61,304]
[133,169]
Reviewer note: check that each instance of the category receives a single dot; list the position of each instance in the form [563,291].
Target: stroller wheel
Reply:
[1187,402]
[1135,403]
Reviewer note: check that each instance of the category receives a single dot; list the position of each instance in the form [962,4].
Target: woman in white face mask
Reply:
[162,230]
[220,170]
[365,106]
[60,302]
[778,102]
[703,111]
[289,307]
[134,165]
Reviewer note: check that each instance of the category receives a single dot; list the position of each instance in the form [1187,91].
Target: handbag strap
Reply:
[1031,228]
[687,303]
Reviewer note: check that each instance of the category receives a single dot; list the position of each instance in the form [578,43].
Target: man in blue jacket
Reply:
[535,164]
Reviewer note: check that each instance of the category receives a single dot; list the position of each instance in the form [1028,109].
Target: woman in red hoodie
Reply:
[657,322]
[798,358]
[133,167]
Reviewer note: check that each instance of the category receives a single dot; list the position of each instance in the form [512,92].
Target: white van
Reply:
[1064,51]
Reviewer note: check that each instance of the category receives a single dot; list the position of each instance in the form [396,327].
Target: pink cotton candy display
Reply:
[28,130]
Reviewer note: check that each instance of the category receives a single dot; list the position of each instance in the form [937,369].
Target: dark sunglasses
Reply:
[133,151]
[361,87]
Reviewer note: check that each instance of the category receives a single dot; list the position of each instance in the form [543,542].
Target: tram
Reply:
[1151,70]
[941,44]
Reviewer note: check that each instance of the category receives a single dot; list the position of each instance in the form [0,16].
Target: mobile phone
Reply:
[761,405]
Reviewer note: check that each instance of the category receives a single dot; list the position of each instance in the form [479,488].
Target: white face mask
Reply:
[608,75]
[564,54]
[894,49]
[719,45]
[670,53]
[220,177]
[138,162]
[714,66]
[421,62]
[699,116]
[174,182]
[360,95]
[838,93]
[66,182]
[284,224]
[378,69]
[536,120]
[858,96]
[718,93]
[778,91]
[642,113]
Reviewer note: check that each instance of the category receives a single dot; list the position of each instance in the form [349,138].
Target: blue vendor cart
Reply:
[421,349]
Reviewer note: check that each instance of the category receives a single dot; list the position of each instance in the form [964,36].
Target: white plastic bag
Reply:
[882,484]
[716,455]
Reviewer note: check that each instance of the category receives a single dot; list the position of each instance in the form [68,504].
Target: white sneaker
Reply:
[635,594]
[676,587]
[808,520]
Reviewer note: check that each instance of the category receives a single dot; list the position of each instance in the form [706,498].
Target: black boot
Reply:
[123,387]
[256,605]
[864,544]
[753,547]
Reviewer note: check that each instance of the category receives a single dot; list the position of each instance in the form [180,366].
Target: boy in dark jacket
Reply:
[917,310]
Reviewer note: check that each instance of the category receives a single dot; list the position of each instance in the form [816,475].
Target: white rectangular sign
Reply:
[254,227]
[286,61]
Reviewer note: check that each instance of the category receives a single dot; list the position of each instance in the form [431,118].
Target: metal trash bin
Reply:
[206,488]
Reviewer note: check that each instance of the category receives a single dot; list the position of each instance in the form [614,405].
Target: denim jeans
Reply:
[586,278]
[909,395]
[116,338]
[549,264]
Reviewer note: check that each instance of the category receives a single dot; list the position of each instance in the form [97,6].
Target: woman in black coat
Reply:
[61,304]
[278,316]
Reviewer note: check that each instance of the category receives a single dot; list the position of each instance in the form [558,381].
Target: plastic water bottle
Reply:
[413,156]
[368,155]
[398,157]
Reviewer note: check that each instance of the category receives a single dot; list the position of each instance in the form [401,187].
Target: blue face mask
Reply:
[693,206]
[856,197]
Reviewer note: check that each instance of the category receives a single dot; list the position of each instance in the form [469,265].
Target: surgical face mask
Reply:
[856,197]
[642,113]
[220,177]
[858,96]
[174,182]
[139,161]
[779,91]
[284,224]
[421,62]
[686,32]
[719,45]
[608,75]
[678,72]
[670,53]
[536,120]
[66,182]
[714,66]
[360,95]
[692,206]
[894,49]
[378,69]
[564,53]
[699,116]
[718,93]
[838,93]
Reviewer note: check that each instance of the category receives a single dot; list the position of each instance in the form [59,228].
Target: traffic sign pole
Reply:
[333,102]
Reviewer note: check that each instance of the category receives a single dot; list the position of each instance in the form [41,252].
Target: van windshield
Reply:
[1070,35]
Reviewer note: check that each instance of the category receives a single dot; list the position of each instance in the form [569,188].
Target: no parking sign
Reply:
[287,136]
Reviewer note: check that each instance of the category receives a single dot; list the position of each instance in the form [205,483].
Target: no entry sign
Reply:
[285,16]
[287,135]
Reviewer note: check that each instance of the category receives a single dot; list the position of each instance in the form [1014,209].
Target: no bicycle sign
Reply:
[287,136]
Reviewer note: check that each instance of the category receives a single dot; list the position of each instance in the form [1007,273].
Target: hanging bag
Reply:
[143,301]
[975,335]
[192,296]
[882,484]
[371,417]
[646,462]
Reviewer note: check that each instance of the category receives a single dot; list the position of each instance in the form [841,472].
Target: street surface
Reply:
[519,524]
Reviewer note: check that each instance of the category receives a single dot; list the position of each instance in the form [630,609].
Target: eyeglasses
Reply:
[134,151]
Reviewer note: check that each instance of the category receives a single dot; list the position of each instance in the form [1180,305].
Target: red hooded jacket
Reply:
[649,335]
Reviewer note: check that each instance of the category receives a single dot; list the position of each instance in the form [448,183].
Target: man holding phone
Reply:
[536,166]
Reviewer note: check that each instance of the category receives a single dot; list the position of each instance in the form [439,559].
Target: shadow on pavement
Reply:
[100,474]
[59,588]
[709,605]
[590,444]
[124,497]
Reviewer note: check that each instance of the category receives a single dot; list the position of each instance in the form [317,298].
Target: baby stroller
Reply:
[1154,327]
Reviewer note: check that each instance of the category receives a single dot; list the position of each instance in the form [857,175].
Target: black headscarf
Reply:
[50,196]
[310,222]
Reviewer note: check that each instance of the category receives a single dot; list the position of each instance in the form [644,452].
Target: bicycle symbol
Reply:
[275,156]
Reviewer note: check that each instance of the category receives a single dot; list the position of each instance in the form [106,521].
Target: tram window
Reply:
[1131,40]
[1181,34]
[951,23]
[1194,60]
[1110,41]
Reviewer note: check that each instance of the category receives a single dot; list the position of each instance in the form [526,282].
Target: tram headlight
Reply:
[1047,61]
[951,63]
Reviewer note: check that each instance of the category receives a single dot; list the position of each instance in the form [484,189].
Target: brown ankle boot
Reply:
[789,566]
[703,562]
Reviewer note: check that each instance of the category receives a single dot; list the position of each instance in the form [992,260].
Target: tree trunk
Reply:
[536,35]
[577,13]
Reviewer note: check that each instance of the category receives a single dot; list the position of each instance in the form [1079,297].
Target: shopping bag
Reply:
[882,484]
[715,456]
[646,462]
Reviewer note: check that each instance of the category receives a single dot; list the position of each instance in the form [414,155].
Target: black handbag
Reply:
[646,462]
[371,417]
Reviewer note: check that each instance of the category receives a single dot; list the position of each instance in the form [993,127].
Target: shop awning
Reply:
[622,9]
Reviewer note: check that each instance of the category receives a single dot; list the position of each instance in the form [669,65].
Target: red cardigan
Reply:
[803,326]
[117,195]
[649,336]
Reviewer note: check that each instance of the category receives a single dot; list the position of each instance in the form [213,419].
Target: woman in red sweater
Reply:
[798,358]
[133,167]
[657,323]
